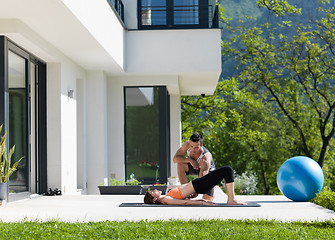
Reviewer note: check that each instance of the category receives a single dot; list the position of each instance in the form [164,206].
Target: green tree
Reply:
[279,102]
[240,131]
[296,73]
[278,7]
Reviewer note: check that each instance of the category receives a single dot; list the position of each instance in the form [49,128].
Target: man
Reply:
[194,159]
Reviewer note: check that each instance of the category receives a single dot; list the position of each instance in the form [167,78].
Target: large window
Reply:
[160,14]
[147,133]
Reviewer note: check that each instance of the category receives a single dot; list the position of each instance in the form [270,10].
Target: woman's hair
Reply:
[148,198]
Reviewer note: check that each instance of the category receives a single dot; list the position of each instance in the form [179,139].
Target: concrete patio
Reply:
[87,208]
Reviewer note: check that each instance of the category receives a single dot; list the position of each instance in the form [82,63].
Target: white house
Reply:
[90,89]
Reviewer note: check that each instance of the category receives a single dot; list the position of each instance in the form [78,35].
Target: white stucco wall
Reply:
[194,55]
[173,51]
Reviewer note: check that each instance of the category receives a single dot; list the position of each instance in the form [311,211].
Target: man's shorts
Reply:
[192,171]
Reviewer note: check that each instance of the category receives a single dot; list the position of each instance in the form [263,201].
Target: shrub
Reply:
[246,183]
[325,198]
[131,181]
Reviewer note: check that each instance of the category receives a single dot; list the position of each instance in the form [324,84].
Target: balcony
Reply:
[176,14]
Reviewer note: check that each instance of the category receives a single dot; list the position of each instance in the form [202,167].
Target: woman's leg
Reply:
[203,184]
[231,195]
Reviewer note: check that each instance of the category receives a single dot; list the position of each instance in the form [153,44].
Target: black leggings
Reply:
[203,184]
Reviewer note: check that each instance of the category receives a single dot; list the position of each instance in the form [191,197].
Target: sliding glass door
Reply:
[23,115]
[18,121]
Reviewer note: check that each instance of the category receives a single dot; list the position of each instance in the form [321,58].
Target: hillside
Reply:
[237,10]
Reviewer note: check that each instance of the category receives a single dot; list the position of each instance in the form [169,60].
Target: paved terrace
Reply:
[88,208]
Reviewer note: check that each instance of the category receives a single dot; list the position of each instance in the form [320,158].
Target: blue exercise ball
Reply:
[300,178]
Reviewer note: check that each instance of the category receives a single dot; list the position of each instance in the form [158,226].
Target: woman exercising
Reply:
[181,195]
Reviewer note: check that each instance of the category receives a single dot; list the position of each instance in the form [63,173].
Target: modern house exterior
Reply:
[90,90]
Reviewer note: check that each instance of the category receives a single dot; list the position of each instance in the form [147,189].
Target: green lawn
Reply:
[174,229]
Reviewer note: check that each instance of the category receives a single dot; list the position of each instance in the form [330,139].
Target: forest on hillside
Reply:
[276,96]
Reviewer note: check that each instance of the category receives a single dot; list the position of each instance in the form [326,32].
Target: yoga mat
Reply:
[250,204]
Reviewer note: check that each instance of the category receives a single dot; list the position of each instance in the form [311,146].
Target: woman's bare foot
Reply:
[235,202]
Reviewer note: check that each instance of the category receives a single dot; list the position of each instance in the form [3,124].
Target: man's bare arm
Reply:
[205,164]
[180,156]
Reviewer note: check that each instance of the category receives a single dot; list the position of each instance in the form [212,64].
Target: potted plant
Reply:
[6,170]
[118,187]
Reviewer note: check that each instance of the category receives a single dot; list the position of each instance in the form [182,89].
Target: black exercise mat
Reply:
[250,204]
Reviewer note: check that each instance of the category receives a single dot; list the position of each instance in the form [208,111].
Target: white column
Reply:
[97,153]
[62,128]
[175,126]
[54,125]
[116,129]
[68,130]
[81,135]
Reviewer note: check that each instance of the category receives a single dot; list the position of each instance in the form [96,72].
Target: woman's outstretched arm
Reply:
[172,201]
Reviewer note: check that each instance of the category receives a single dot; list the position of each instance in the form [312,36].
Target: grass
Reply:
[173,229]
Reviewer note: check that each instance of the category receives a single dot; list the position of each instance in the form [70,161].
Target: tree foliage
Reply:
[279,103]
[294,72]
[278,7]
[240,131]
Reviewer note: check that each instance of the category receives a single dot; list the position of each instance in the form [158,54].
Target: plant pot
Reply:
[121,190]
[163,188]
[3,191]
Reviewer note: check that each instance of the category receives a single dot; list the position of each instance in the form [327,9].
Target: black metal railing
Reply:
[188,16]
[118,7]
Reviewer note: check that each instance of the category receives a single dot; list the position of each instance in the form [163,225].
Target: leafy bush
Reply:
[325,198]
[246,184]
[131,181]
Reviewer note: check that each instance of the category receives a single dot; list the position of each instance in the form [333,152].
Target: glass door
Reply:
[23,113]
[147,134]
[18,133]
